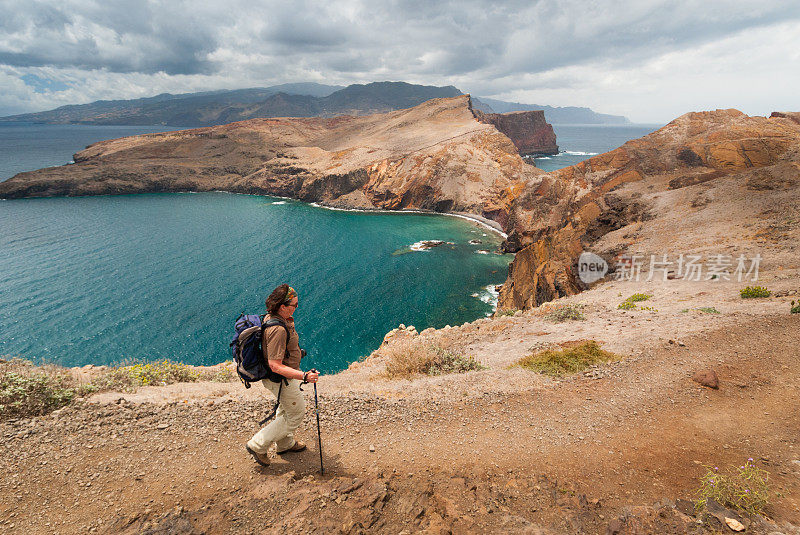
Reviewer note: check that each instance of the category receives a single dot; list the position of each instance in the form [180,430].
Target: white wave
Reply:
[489,295]
[279,202]
[424,245]
[482,251]
[543,158]
[579,153]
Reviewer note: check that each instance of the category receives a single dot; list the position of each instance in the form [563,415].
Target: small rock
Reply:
[706,378]
[372,448]
[614,527]
[162,426]
[734,524]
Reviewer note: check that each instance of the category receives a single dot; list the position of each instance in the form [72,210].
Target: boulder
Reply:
[706,378]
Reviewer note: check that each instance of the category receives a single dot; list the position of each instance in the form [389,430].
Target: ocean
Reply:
[578,142]
[114,279]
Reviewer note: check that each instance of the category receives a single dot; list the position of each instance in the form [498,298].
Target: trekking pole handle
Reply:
[305,377]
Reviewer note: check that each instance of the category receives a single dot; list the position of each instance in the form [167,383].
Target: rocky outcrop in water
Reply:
[529,130]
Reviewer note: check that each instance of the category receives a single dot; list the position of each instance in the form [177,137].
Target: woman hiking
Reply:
[282,353]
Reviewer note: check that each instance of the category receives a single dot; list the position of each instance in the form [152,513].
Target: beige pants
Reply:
[290,414]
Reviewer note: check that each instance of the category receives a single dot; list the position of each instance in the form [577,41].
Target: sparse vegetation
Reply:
[560,362]
[28,390]
[651,309]
[796,308]
[752,292]
[744,487]
[708,310]
[565,313]
[506,312]
[162,372]
[630,302]
[435,355]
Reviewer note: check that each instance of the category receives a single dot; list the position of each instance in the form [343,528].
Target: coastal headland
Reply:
[617,448]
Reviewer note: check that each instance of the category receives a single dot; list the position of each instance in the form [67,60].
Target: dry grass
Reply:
[560,313]
[429,355]
[28,390]
[570,359]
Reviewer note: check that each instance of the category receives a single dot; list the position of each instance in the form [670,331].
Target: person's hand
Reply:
[312,376]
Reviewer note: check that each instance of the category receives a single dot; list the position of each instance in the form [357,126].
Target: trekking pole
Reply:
[319,434]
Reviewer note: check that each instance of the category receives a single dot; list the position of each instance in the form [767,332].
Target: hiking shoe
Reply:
[298,446]
[261,458]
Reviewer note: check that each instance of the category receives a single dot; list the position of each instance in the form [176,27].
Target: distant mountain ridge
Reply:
[558,115]
[211,108]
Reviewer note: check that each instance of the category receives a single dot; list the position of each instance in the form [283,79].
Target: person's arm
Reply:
[290,373]
[276,345]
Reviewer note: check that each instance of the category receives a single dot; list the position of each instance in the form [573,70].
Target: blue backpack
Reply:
[248,354]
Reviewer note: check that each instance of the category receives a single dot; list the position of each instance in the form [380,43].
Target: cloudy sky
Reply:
[649,60]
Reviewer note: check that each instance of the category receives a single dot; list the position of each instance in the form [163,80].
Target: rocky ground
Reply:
[617,449]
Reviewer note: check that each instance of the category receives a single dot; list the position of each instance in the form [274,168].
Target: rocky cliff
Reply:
[698,184]
[434,156]
[529,130]
[719,171]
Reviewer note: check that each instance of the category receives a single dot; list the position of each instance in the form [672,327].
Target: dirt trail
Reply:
[577,456]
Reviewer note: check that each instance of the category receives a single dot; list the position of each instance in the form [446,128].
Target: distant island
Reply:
[557,115]
[211,108]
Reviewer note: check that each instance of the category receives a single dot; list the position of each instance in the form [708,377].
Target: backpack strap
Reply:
[271,323]
[277,403]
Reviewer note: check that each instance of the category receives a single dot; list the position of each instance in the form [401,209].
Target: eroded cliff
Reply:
[528,130]
[694,185]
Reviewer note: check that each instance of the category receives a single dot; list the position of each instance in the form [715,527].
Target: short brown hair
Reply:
[277,298]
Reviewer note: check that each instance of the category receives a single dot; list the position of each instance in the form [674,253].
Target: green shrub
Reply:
[626,305]
[708,310]
[565,313]
[506,312]
[745,488]
[28,390]
[796,308]
[447,361]
[754,291]
[638,297]
[561,362]
[162,372]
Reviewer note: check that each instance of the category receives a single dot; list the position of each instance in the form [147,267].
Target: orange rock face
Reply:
[528,130]
[562,213]
[435,156]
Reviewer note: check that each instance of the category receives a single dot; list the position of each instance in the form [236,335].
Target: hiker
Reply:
[282,352]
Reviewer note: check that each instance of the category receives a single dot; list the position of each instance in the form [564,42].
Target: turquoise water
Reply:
[577,142]
[114,278]
[109,279]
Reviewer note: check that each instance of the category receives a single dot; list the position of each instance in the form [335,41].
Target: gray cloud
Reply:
[485,47]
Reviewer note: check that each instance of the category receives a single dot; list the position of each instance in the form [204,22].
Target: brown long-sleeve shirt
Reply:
[275,343]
